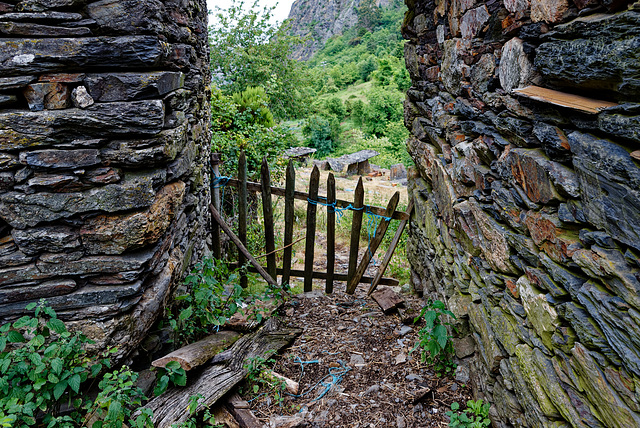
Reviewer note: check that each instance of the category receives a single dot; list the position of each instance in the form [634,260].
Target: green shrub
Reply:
[321,135]
[476,415]
[435,344]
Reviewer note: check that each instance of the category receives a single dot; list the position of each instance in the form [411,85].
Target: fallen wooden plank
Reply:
[198,353]
[341,203]
[241,247]
[387,299]
[222,416]
[296,273]
[226,371]
[291,385]
[392,248]
[577,102]
[241,412]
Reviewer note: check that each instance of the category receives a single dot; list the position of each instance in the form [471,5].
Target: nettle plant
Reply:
[42,367]
[434,341]
[476,415]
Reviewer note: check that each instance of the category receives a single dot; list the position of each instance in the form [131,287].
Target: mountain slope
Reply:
[321,20]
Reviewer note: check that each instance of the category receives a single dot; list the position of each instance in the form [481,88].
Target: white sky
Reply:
[280,13]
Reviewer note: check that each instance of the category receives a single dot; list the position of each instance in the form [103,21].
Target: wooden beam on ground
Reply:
[241,247]
[290,188]
[341,203]
[296,273]
[310,243]
[331,232]
[392,248]
[381,229]
[267,211]
[239,408]
[356,226]
[242,212]
[224,373]
[198,353]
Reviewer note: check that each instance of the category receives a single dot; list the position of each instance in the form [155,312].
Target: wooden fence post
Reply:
[242,212]
[331,231]
[381,229]
[267,210]
[356,226]
[289,201]
[216,245]
[314,182]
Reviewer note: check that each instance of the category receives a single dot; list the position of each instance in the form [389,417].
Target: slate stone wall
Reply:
[104,147]
[527,219]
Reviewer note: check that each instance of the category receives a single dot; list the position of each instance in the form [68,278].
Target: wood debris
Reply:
[387,299]
[198,353]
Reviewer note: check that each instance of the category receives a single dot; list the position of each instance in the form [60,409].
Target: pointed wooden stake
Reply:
[289,201]
[356,226]
[314,182]
[331,232]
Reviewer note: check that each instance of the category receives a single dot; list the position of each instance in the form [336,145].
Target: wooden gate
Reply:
[356,270]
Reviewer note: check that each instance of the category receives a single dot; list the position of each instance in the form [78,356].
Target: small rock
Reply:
[81,97]
[404,330]
[462,374]
[414,377]
[400,422]
[453,387]
[372,389]
[401,358]
[357,360]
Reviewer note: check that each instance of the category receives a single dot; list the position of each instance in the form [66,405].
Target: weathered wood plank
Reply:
[296,273]
[314,182]
[290,188]
[242,212]
[381,229]
[356,226]
[331,232]
[390,251]
[226,371]
[198,353]
[387,299]
[267,211]
[241,247]
[241,412]
[302,196]
[216,245]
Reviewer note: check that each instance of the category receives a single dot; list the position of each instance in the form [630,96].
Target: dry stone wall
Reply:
[527,219]
[103,158]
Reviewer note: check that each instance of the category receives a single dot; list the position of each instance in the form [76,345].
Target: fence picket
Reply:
[267,210]
[311,229]
[242,212]
[381,229]
[216,245]
[289,200]
[331,231]
[356,226]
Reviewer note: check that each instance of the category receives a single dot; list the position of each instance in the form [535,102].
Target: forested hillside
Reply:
[346,97]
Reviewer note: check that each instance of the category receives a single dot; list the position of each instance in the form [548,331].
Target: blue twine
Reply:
[336,374]
[220,181]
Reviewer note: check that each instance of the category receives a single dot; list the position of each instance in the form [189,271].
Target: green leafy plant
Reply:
[434,341]
[171,373]
[42,365]
[476,415]
[259,378]
[215,295]
[207,418]
[118,399]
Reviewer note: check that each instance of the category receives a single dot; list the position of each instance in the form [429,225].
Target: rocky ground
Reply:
[355,368]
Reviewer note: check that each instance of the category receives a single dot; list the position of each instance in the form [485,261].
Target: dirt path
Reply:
[376,376]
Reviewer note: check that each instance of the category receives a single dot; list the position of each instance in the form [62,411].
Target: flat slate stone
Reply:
[132,86]
[38,30]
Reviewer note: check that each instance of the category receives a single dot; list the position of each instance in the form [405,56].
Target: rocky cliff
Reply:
[103,159]
[321,20]
[524,117]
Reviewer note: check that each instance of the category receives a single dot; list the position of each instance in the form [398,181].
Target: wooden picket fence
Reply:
[356,269]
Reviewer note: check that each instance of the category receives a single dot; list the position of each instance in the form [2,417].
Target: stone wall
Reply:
[527,218]
[103,158]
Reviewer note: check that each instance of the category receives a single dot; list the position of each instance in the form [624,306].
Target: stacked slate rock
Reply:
[103,159]
[527,214]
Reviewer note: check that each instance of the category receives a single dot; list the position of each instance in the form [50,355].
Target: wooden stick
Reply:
[290,189]
[198,353]
[282,248]
[314,182]
[296,273]
[356,226]
[373,245]
[331,232]
[390,251]
[241,247]
[242,212]
[215,199]
[278,191]
[267,210]
[291,385]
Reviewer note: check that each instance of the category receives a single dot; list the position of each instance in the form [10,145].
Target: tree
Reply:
[247,50]
[369,14]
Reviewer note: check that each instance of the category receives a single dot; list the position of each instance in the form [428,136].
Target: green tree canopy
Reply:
[247,50]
